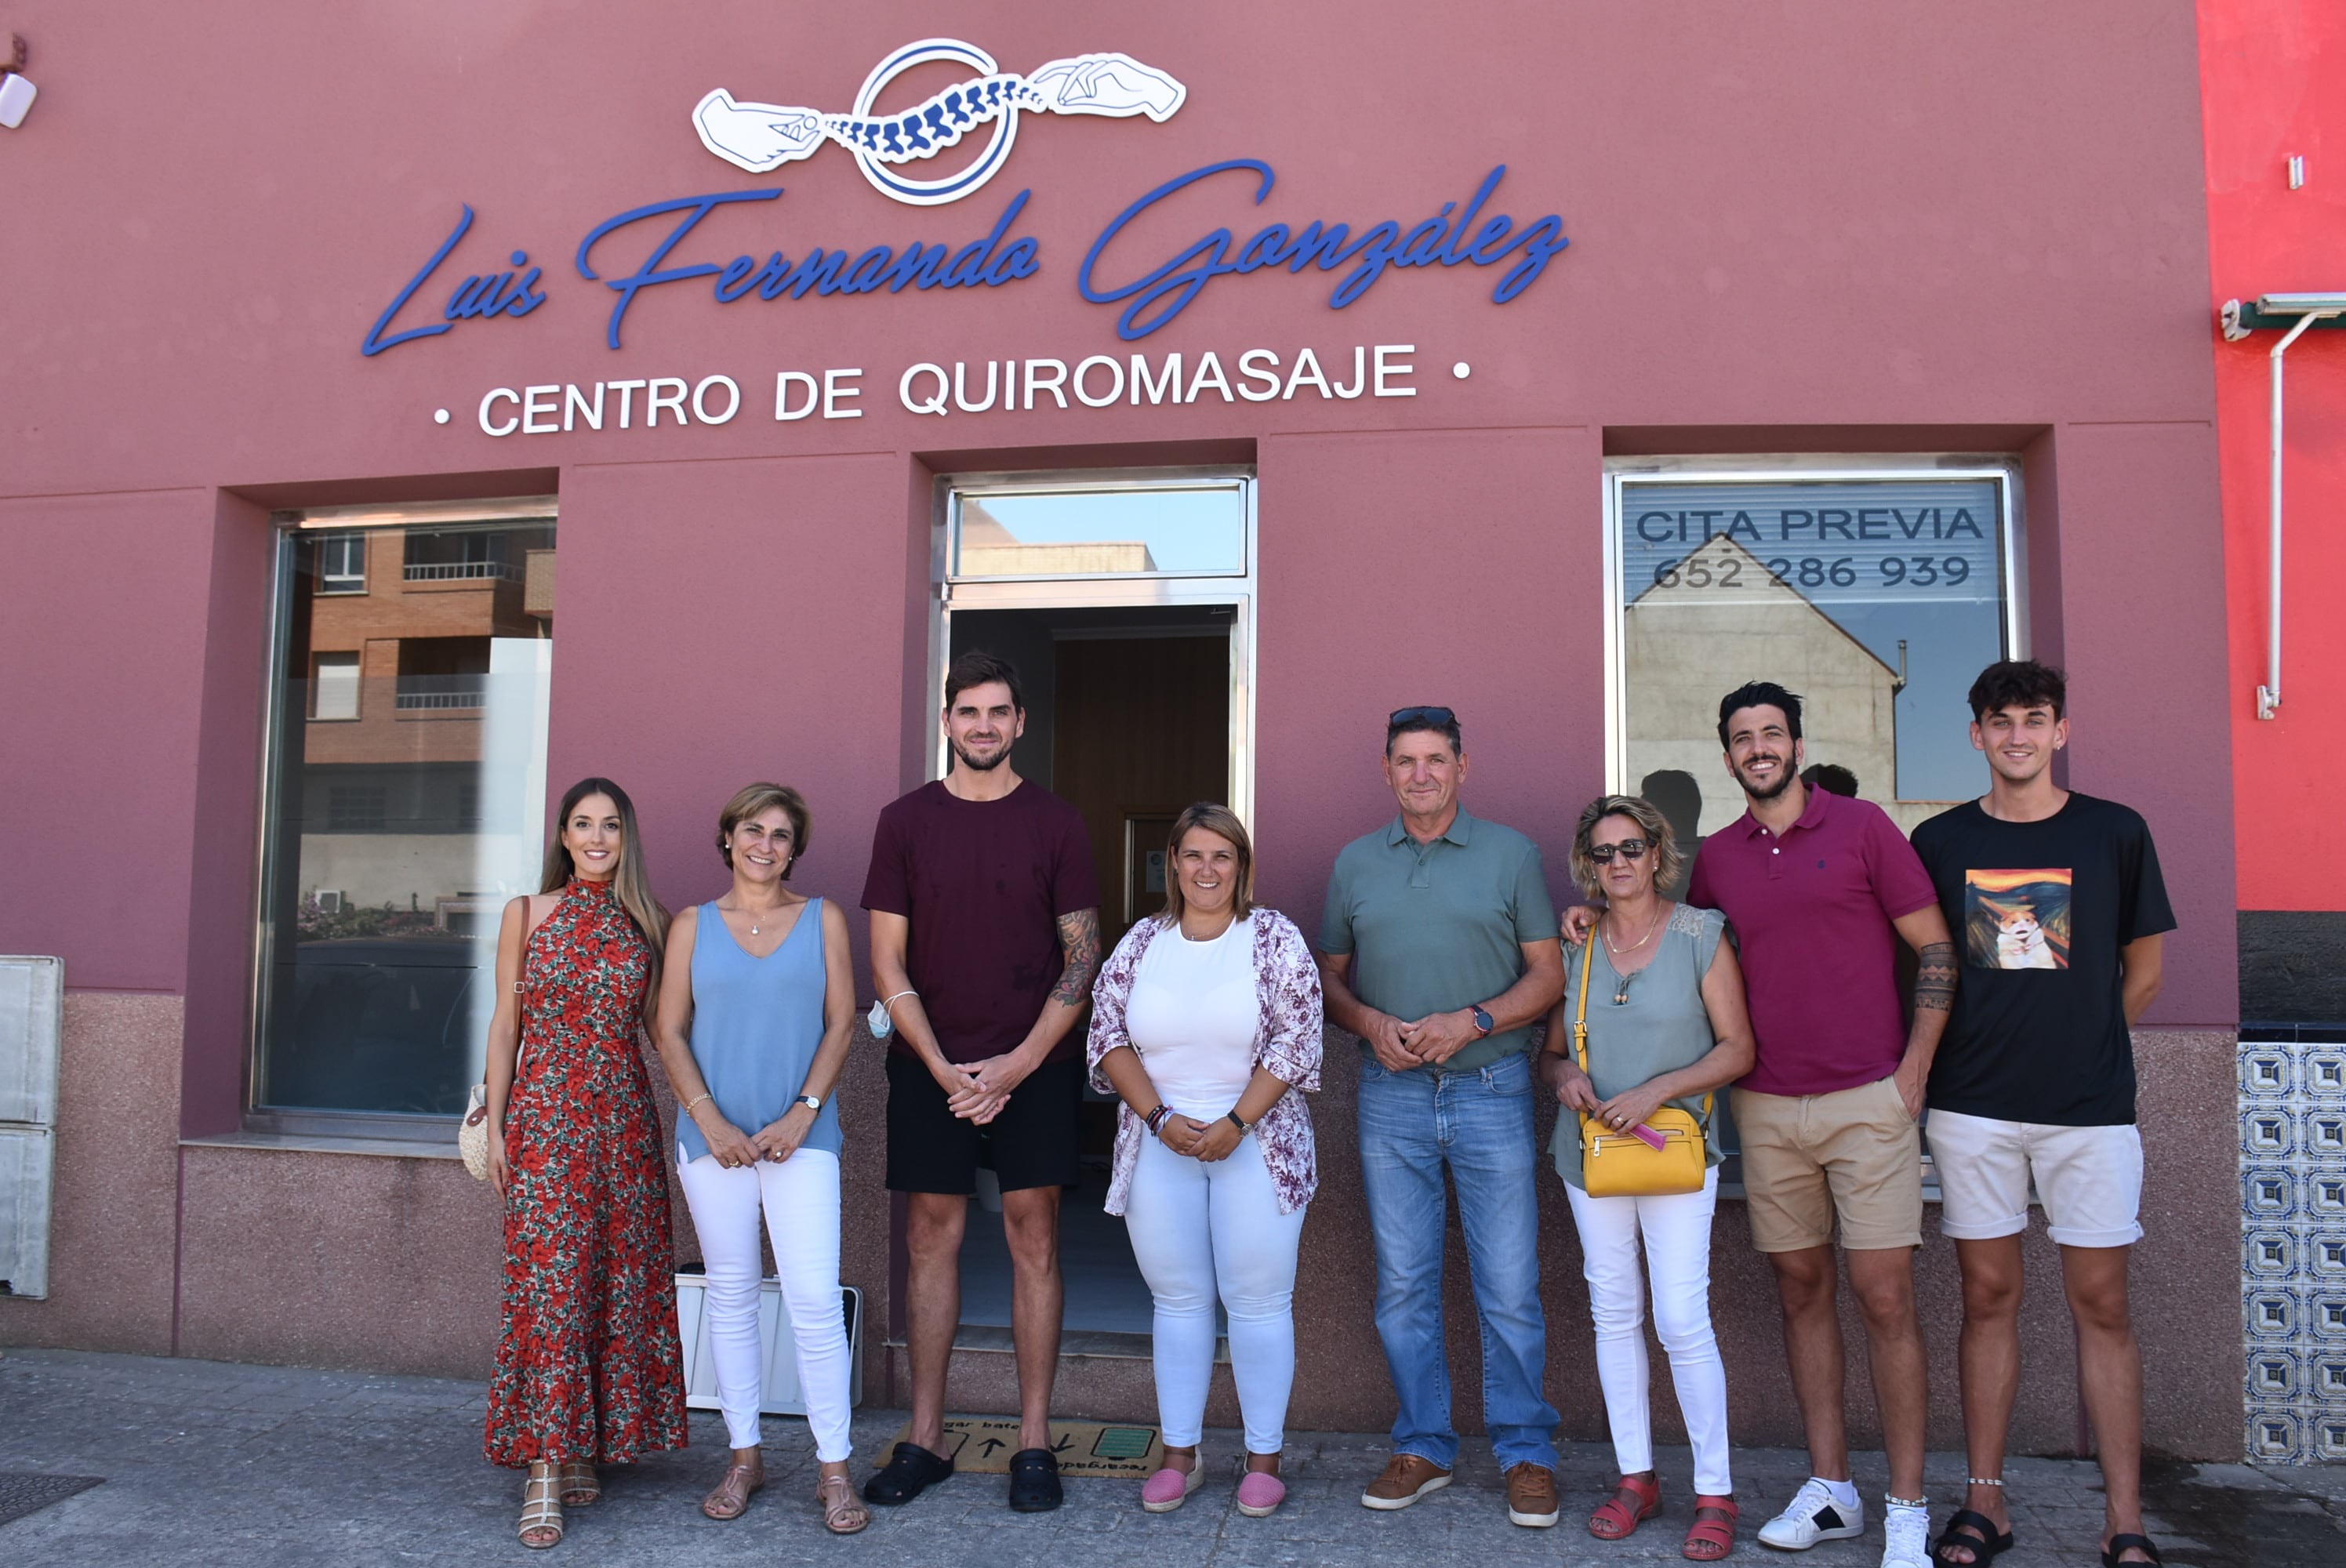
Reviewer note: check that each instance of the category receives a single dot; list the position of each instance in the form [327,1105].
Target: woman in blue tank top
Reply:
[754,1011]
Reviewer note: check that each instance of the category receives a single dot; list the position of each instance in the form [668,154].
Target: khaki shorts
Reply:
[1854,1153]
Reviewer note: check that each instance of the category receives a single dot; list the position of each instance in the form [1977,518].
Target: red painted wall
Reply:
[2271,76]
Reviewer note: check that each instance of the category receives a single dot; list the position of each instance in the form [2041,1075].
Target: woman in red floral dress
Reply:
[589,1369]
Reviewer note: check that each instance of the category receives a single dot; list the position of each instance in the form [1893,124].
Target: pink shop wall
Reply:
[1840,227]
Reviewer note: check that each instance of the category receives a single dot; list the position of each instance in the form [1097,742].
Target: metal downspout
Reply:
[2269,694]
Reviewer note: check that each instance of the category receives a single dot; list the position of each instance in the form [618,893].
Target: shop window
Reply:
[393,837]
[342,563]
[1877,595]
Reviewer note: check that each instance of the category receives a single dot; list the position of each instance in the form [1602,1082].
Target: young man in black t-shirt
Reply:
[2057,906]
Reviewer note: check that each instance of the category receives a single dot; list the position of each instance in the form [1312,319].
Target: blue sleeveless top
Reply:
[756,1025]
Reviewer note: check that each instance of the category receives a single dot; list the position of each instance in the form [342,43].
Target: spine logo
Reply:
[761,137]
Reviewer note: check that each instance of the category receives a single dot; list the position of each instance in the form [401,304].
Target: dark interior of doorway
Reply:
[1127,717]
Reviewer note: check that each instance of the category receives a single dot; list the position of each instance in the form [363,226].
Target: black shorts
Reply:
[1033,1143]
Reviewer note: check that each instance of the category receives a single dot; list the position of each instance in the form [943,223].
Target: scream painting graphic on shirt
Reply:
[2017,920]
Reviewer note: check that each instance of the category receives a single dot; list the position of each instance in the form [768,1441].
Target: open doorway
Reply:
[1128,718]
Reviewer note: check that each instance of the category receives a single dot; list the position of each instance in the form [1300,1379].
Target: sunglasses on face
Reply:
[1627,849]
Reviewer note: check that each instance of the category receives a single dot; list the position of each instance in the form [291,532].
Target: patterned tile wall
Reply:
[2293,1244]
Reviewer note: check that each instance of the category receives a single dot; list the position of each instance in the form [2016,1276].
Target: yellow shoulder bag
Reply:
[1621,1164]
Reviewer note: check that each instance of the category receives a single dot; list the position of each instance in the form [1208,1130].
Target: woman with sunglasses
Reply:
[1665,1025]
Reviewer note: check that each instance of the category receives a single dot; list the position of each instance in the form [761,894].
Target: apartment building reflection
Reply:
[410,781]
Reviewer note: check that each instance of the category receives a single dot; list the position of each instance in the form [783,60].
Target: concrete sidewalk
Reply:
[210,1464]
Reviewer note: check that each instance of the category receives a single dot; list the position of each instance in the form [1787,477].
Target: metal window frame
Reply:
[1623,474]
[1097,483]
[1240,591]
[307,1122]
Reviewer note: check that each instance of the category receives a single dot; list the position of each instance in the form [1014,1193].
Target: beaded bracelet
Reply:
[1157,1118]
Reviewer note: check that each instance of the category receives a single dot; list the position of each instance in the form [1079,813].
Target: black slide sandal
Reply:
[1978,1537]
[911,1471]
[1035,1481]
[2113,1554]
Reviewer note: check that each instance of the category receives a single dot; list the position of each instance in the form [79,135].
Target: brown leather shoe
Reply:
[1531,1495]
[1408,1478]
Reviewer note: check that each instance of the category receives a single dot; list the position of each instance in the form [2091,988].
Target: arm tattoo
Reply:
[1935,979]
[1079,936]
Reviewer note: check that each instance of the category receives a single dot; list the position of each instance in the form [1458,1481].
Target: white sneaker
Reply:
[1906,1538]
[1812,1516]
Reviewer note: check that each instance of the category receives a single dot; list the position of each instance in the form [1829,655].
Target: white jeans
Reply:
[1677,1255]
[1199,1230]
[801,1200]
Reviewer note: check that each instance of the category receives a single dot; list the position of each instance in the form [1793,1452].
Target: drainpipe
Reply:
[2269,694]
[2270,310]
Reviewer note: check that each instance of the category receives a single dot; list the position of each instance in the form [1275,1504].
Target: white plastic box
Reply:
[779,1383]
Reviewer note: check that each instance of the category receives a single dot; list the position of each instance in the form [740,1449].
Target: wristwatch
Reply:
[1241,1126]
[1484,1022]
[810,1102]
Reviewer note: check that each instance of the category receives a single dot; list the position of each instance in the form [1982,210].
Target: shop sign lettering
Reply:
[1451,237]
[1003,386]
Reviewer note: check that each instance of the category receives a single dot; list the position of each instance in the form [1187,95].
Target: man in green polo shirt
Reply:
[1439,950]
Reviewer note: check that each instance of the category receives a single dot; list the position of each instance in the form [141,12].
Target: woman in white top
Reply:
[1203,1019]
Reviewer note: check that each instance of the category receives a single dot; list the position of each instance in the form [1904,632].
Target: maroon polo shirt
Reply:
[1811,913]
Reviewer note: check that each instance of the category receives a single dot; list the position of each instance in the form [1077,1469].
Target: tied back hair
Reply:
[1223,822]
[631,884]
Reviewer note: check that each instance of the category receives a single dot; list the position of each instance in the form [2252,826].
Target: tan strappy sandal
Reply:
[581,1487]
[541,1506]
[843,1513]
[732,1495]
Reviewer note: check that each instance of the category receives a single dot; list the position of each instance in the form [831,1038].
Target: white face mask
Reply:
[882,1024]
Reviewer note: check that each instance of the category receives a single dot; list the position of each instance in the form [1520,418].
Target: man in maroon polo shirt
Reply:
[1818,888]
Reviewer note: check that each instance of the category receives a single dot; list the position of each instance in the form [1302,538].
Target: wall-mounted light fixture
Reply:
[16,90]
[2297,312]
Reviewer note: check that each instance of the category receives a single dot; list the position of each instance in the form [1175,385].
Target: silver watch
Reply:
[810,1102]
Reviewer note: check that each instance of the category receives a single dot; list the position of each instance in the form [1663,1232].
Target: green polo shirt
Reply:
[1441,926]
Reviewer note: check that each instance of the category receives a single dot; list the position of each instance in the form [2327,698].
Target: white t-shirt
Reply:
[1193,1015]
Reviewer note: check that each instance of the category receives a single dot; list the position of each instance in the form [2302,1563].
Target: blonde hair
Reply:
[1668,858]
[631,884]
[1223,822]
[753,799]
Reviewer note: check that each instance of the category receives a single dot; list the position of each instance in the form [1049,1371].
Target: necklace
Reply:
[1651,926]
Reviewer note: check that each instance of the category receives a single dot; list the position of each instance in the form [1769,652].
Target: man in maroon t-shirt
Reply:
[984,938]
[1820,887]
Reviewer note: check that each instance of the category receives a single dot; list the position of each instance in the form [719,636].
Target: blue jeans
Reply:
[1480,1124]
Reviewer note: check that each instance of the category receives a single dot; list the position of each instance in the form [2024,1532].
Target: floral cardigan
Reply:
[1287,1042]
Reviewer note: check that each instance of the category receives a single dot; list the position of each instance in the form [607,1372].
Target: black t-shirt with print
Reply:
[2039,911]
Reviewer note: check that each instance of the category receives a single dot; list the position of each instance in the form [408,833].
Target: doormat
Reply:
[23,1492]
[982,1445]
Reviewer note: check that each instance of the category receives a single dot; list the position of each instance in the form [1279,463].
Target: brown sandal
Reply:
[732,1495]
[843,1513]
[581,1487]
[541,1506]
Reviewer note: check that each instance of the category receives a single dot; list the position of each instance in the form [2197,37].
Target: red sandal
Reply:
[1612,1521]
[1709,1539]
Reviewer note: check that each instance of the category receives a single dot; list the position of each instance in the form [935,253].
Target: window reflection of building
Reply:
[1690,640]
[405,812]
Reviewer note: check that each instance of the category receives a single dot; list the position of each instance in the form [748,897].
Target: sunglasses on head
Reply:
[1405,717]
[1627,849]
